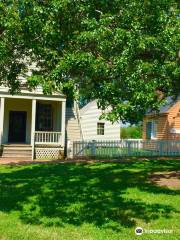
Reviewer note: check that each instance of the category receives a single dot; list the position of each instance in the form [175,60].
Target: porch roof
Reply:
[25,94]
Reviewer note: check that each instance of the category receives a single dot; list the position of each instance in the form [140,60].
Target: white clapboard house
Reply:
[31,124]
[38,126]
[95,128]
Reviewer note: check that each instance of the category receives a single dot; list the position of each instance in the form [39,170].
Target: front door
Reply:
[17,126]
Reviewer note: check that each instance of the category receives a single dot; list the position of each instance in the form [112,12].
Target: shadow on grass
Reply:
[58,194]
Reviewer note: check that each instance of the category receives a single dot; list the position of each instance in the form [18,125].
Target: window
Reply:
[148,130]
[100,128]
[44,120]
[151,129]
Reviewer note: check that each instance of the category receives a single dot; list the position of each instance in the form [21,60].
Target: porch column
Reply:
[63,119]
[1,118]
[33,125]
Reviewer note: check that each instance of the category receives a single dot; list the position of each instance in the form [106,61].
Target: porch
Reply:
[37,121]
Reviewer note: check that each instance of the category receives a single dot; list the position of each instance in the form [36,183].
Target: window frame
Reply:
[100,128]
[153,129]
[48,116]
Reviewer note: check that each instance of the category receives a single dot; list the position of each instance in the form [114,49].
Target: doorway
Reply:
[17,127]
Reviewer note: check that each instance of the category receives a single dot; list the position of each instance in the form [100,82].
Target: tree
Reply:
[123,53]
[134,132]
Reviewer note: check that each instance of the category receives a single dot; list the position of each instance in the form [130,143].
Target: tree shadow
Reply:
[58,194]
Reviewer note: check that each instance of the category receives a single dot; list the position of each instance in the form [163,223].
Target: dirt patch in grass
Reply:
[166,179]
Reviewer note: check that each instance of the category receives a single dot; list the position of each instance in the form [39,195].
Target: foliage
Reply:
[86,201]
[131,132]
[123,53]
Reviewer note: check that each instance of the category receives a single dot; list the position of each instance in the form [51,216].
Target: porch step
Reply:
[14,159]
[17,146]
[20,151]
[12,154]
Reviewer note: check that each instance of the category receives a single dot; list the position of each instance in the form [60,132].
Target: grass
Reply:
[86,201]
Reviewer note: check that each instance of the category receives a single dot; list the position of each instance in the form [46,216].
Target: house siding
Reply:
[174,120]
[90,118]
[162,126]
[165,122]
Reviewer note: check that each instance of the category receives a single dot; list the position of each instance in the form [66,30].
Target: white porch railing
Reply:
[42,137]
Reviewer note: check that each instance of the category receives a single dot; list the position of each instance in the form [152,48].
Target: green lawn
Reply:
[96,201]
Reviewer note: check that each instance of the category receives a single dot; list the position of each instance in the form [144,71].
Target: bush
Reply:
[131,132]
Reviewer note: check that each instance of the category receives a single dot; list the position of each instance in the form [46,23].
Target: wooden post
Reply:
[129,148]
[161,147]
[93,148]
[63,120]
[70,149]
[1,119]
[33,125]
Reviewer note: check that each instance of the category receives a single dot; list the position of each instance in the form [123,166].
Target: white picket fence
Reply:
[124,148]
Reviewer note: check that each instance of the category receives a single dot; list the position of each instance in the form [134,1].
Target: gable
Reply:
[175,108]
[87,107]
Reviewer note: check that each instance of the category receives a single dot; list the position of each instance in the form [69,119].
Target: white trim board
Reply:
[34,96]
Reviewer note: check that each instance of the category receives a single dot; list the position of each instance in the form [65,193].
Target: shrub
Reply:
[131,132]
